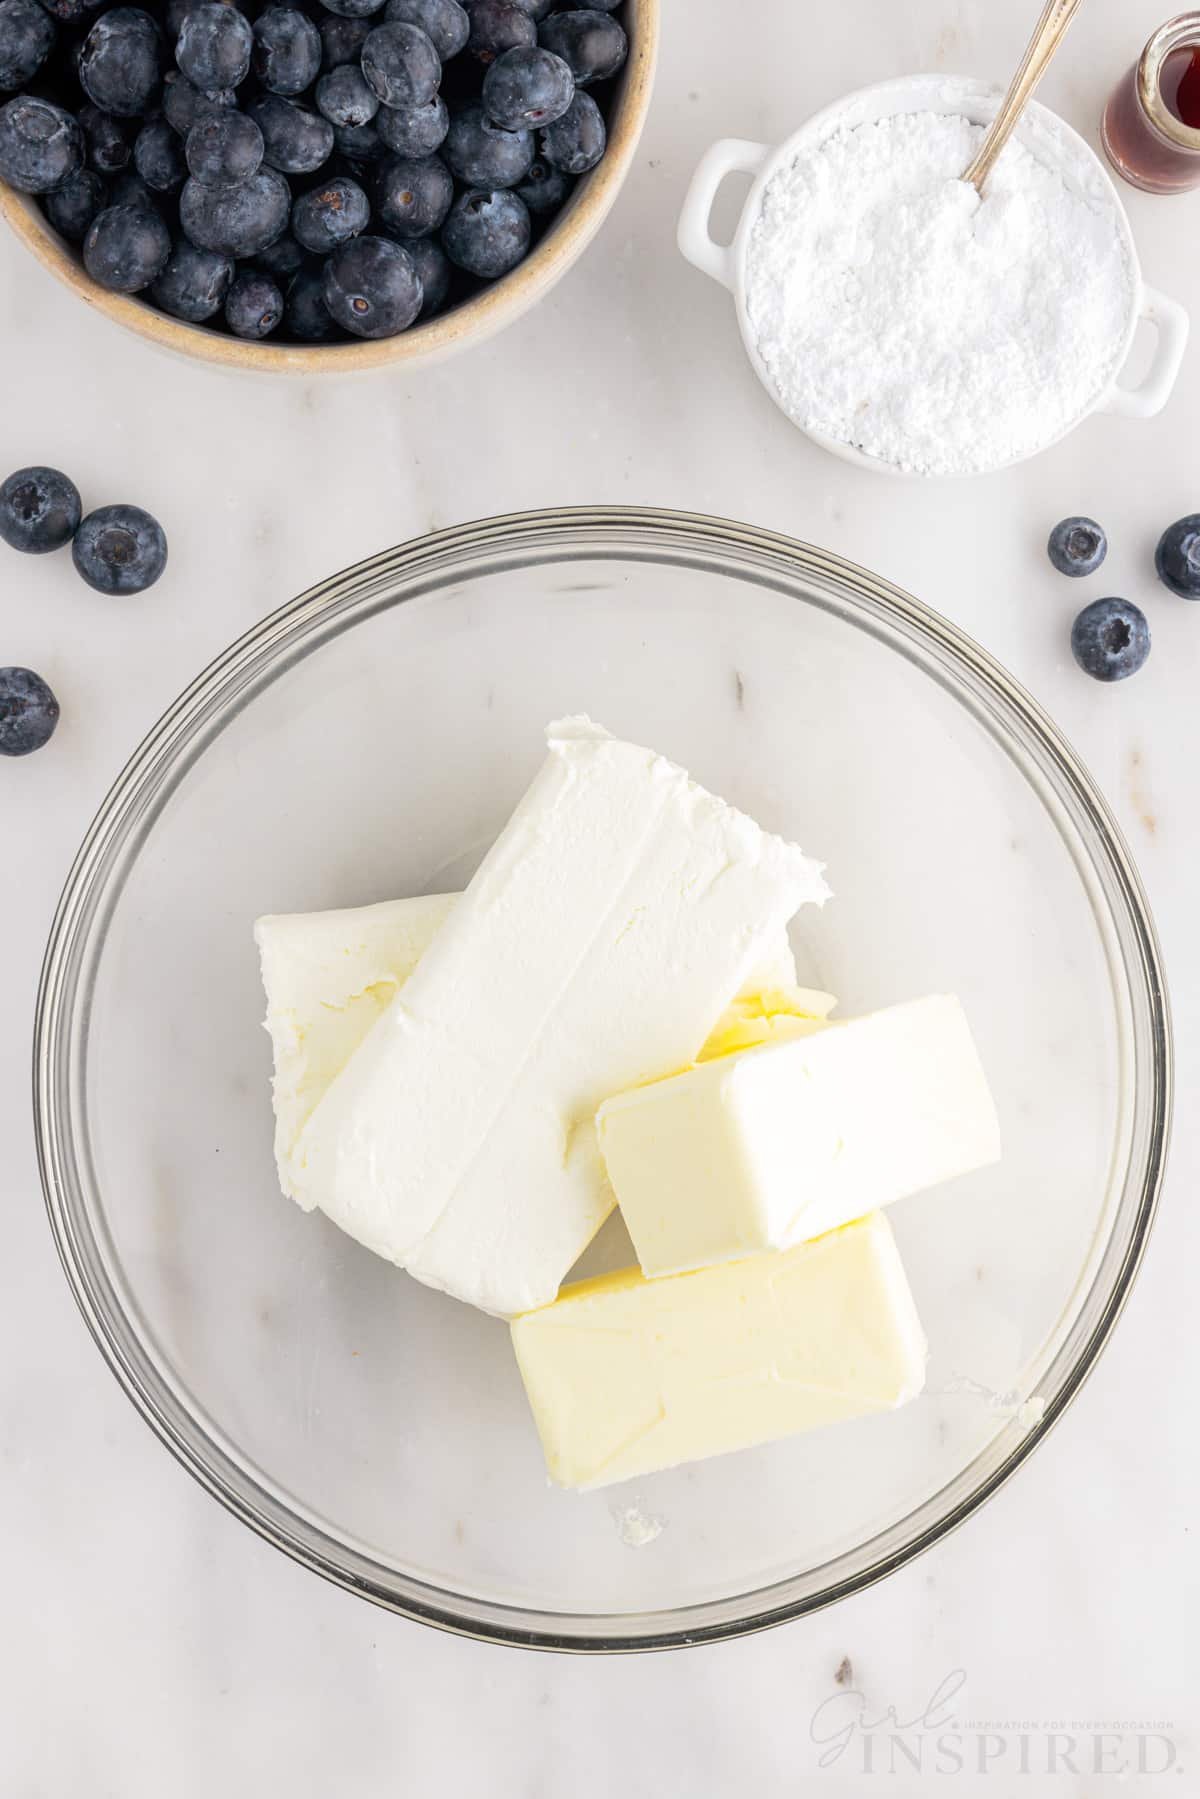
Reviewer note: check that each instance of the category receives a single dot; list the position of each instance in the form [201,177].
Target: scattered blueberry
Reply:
[415,130]
[401,64]
[1077,546]
[372,288]
[40,510]
[224,148]
[497,26]
[433,270]
[487,233]
[330,215]
[184,105]
[524,88]
[286,56]
[444,22]
[120,549]
[1110,639]
[1177,557]
[108,146]
[41,146]
[158,157]
[27,37]
[590,42]
[413,197]
[544,189]
[28,712]
[214,46]
[193,283]
[238,220]
[481,154]
[281,259]
[120,65]
[575,143]
[305,313]
[345,97]
[72,207]
[125,248]
[254,305]
[297,141]
[342,39]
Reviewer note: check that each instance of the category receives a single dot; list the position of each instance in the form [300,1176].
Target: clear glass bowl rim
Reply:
[296,630]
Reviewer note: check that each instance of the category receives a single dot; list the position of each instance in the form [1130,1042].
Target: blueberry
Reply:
[497,26]
[40,510]
[355,9]
[330,215]
[575,143]
[193,283]
[287,50]
[125,248]
[305,313]
[413,197]
[28,712]
[225,148]
[361,145]
[1177,557]
[281,259]
[108,147]
[481,154]
[401,64]
[486,233]
[345,97]
[27,37]
[433,270]
[237,220]
[372,288]
[254,306]
[296,140]
[342,40]
[120,65]
[591,43]
[537,9]
[41,146]
[444,22]
[128,189]
[1110,639]
[120,549]
[158,157]
[416,130]
[184,105]
[527,87]
[544,189]
[70,12]
[1077,546]
[214,46]
[72,207]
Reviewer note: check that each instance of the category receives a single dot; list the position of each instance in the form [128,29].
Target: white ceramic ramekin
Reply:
[1044,133]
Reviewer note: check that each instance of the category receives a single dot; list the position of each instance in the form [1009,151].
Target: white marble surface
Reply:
[150,1645]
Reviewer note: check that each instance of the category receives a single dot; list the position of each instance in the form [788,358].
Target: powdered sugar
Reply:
[896,311]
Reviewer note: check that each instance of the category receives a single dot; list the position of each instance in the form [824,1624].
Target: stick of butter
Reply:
[329,976]
[607,929]
[627,1376]
[764,1148]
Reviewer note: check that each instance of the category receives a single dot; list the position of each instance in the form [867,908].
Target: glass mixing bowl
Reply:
[368,741]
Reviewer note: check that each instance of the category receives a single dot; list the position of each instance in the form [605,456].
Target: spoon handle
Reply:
[1048,35]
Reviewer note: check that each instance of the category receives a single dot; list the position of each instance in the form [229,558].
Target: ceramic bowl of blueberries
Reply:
[317,186]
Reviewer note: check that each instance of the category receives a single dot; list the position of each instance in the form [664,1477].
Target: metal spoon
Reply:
[1049,34]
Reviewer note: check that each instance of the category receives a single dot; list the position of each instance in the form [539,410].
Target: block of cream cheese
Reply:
[615,917]
[329,976]
[626,1376]
[764,1148]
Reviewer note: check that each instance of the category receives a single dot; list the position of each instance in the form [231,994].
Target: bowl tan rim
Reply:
[472,322]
